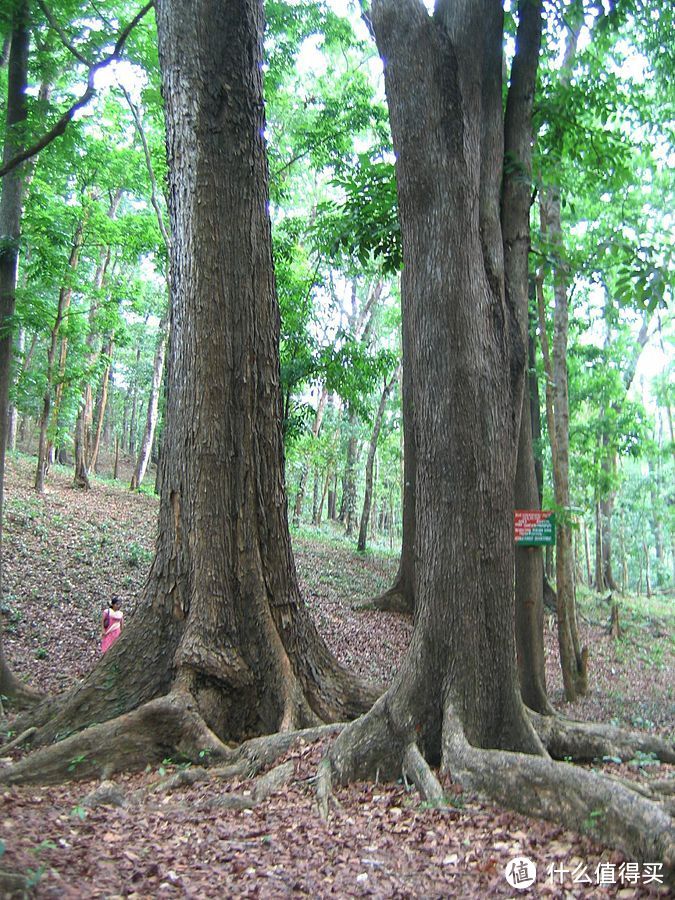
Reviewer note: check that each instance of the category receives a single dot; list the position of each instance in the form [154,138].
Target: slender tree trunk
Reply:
[372,448]
[116,466]
[598,580]
[400,597]
[316,427]
[515,223]
[153,408]
[65,295]
[323,496]
[572,659]
[349,478]
[134,406]
[102,405]
[315,496]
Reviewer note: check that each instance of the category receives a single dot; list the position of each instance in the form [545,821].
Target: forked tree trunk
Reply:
[222,623]
[456,696]
[466,359]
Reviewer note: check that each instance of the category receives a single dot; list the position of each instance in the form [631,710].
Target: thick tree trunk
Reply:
[372,449]
[455,696]
[11,192]
[464,335]
[222,623]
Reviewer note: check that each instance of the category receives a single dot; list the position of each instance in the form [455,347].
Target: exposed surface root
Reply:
[417,769]
[583,801]
[609,811]
[585,741]
[260,753]
[263,786]
[369,747]
[17,741]
[393,600]
[168,726]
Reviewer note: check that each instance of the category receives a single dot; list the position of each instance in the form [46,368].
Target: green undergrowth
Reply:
[328,562]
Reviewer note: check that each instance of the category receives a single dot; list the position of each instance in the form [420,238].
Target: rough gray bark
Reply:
[10,232]
[456,694]
[515,219]
[221,625]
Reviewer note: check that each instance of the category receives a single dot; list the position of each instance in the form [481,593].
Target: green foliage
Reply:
[363,226]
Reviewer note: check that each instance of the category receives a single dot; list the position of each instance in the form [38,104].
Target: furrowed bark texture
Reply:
[222,619]
[456,696]
[515,219]
[10,230]
[466,358]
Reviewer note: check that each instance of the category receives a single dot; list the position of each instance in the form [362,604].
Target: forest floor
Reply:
[67,552]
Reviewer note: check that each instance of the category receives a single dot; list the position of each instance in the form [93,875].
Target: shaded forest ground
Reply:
[68,552]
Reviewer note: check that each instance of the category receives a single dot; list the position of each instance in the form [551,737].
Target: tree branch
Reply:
[61,125]
[67,43]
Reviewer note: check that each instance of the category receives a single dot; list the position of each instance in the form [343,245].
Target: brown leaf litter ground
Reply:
[67,552]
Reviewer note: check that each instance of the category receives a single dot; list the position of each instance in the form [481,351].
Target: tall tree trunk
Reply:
[573,659]
[65,295]
[316,427]
[466,359]
[515,222]
[11,194]
[400,597]
[102,404]
[221,626]
[455,696]
[348,514]
[153,408]
[372,448]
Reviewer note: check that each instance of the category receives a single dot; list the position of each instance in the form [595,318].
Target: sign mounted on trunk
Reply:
[534,527]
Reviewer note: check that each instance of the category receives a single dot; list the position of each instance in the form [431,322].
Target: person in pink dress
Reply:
[113,622]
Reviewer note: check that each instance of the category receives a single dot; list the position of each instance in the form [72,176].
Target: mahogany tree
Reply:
[455,699]
[221,637]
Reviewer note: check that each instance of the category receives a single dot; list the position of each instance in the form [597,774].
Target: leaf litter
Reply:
[66,554]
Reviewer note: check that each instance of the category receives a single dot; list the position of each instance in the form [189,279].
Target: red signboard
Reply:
[534,527]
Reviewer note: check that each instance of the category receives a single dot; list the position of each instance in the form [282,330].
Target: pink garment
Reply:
[112,632]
